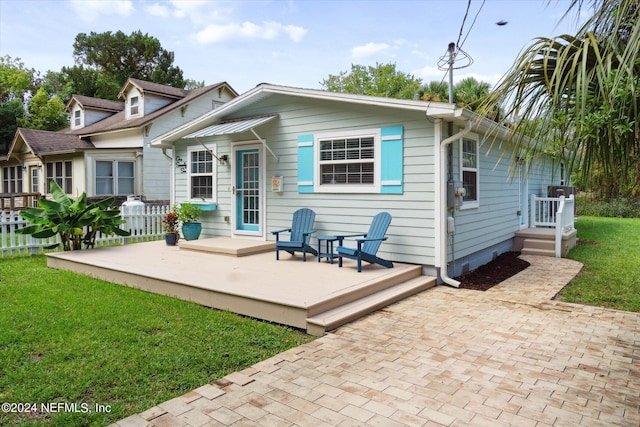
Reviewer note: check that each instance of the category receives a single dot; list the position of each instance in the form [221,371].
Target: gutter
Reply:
[443,195]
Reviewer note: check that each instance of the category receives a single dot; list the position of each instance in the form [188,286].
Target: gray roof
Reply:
[43,142]
[88,102]
[118,121]
[156,88]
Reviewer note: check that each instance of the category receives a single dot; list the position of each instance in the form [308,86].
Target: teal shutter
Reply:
[305,163]
[392,151]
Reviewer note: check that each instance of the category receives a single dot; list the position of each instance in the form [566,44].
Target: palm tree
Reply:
[435,91]
[578,95]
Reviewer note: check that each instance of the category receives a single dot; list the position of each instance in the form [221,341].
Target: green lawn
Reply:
[67,338]
[610,251]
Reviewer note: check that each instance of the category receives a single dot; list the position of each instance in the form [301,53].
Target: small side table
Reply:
[328,247]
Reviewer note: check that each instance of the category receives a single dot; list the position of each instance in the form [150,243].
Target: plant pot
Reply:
[191,231]
[171,239]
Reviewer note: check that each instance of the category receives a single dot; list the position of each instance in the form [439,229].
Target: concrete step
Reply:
[541,252]
[545,244]
[331,319]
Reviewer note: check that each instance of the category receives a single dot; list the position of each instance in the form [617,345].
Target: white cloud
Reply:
[90,10]
[369,49]
[158,10]
[191,9]
[215,33]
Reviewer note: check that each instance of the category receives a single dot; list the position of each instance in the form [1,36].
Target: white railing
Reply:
[553,212]
[144,223]
[564,220]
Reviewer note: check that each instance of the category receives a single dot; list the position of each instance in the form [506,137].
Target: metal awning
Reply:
[232,126]
[236,126]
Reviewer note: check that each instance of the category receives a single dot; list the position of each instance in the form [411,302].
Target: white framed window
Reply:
[77,118]
[469,172]
[35,179]
[12,179]
[201,170]
[114,177]
[62,173]
[134,106]
[348,162]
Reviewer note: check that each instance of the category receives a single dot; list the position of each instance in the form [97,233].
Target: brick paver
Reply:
[510,356]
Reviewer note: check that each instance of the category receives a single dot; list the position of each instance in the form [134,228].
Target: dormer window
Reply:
[133,106]
[77,120]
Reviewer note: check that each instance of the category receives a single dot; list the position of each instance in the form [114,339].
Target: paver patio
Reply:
[452,357]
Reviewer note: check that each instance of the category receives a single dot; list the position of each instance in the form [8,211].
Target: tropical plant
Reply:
[579,95]
[170,222]
[187,212]
[434,91]
[74,221]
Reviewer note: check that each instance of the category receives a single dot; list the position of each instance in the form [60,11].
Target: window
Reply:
[12,179]
[133,106]
[115,178]
[469,170]
[202,170]
[61,172]
[35,179]
[77,121]
[347,161]
[361,161]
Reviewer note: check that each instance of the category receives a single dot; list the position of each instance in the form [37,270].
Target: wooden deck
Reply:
[244,277]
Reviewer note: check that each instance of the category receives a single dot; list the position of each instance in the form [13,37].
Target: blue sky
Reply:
[294,43]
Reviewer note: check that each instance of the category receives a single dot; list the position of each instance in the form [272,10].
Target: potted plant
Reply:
[170,223]
[189,216]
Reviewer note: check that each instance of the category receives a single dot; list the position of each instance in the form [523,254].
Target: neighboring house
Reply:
[105,151]
[275,149]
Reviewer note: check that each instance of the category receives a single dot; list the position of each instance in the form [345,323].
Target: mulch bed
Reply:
[487,276]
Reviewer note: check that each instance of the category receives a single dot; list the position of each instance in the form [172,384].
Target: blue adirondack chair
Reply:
[368,245]
[301,231]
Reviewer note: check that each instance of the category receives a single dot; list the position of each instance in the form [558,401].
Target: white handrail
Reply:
[553,212]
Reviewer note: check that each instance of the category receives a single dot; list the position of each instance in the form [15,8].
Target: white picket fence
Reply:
[144,223]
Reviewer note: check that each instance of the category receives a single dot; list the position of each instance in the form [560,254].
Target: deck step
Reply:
[338,316]
[228,246]
[541,252]
[543,244]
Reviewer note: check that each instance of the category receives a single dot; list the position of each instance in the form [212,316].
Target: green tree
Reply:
[434,91]
[44,112]
[81,80]
[381,80]
[16,83]
[590,81]
[122,56]
[10,113]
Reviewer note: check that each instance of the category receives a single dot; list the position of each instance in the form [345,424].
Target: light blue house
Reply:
[252,162]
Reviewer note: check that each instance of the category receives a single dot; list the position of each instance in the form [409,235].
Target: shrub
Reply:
[615,208]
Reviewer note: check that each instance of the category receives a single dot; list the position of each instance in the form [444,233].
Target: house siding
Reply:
[412,230]
[482,230]
[157,182]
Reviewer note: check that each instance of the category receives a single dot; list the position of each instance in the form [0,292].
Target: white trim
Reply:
[470,204]
[212,149]
[342,188]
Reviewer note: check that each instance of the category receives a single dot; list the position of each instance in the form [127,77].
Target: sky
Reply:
[291,42]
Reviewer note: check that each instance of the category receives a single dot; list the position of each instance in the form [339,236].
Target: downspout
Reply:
[172,173]
[443,200]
